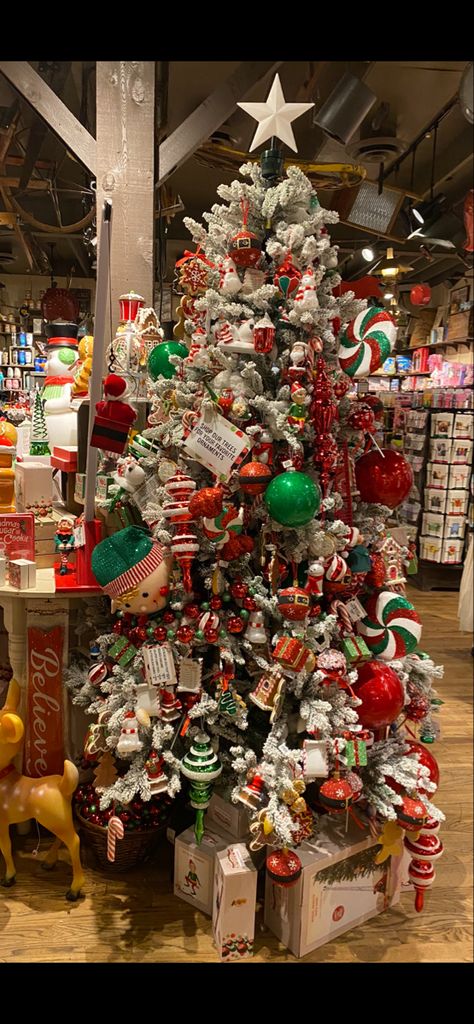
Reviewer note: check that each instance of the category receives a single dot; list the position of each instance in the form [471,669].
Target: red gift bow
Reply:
[191,255]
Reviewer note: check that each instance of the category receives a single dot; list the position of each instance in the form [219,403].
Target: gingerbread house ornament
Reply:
[393,555]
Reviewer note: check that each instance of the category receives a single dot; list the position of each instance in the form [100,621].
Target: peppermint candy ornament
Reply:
[218,530]
[366,342]
[392,627]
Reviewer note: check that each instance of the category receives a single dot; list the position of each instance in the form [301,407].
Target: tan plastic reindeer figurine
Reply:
[47,799]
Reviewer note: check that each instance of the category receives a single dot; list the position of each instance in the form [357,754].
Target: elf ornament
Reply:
[202,767]
[298,412]
[133,570]
[114,417]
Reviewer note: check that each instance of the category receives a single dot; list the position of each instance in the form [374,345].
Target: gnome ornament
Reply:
[306,298]
[133,570]
[298,412]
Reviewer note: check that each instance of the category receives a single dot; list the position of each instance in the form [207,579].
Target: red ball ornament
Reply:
[250,604]
[384,477]
[411,814]
[185,634]
[207,502]
[192,611]
[254,477]
[375,404]
[340,387]
[417,707]
[168,618]
[239,590]
[362,418]
[381,693]
[293,603]
[284,867]
[235,625]
[420,295]
[336,795]
[211,635]
[215,603]
[425,757]
[118,628]
[160,634]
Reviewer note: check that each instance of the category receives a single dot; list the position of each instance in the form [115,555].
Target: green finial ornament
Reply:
[202,767]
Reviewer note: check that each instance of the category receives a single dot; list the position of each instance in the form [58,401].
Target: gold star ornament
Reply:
[275,116]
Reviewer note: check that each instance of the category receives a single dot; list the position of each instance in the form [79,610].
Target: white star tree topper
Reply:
[275,116]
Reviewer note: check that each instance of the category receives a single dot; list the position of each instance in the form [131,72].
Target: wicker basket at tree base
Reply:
[135,848]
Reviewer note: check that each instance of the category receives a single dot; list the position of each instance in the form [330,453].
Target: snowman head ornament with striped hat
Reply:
[133,569]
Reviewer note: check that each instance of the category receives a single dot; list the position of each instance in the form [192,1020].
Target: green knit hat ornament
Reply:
[126,558]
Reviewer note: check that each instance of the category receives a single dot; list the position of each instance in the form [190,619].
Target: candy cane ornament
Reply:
[366,342]
[115,830]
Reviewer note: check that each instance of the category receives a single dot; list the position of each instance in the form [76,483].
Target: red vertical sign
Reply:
[44,742]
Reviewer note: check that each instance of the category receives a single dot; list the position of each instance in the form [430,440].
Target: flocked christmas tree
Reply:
[39,444]
[262,631]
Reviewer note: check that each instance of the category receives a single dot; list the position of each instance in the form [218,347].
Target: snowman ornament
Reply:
[306,298]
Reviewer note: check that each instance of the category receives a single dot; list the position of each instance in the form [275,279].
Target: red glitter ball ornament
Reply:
[340,388]
[168,618]
[254,477]
[207,502]
[417,707]
[249,604]
[160,634]
[239,590]
[293,603]
[211,635]
[215,603]
[284,867]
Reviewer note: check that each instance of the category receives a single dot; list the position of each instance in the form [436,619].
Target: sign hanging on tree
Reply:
[217,444]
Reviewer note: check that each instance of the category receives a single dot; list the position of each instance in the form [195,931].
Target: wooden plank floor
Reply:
[135,918]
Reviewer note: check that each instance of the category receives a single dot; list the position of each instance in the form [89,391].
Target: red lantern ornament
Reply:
[284,867]
[264,335]
[411,814]
[381,693]
[420,295]
[383,478]
[245,247]
[254,477]
[425,758]
[287,277]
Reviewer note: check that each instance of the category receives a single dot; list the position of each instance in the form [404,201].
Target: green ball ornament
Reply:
[159,363]
[292,498]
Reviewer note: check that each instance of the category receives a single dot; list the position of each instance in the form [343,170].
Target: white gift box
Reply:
[231,818]
[34,485]
[339,888]
[22,573]
[234,899]
[194,866]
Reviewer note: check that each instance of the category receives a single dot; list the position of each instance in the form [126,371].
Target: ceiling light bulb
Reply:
[418,215]
[368,254]
[388,295]
[389,271]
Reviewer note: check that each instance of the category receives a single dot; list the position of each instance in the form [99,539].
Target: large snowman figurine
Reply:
[132,568]
[61,419]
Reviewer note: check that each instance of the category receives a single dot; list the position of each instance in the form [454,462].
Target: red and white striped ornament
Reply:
[424,849]
[185,547]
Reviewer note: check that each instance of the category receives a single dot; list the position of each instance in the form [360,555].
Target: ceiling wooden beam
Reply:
[44,101]
[210,115]
[34,184]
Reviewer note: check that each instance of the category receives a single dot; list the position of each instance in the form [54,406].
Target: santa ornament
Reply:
[132,569]
[114,417]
